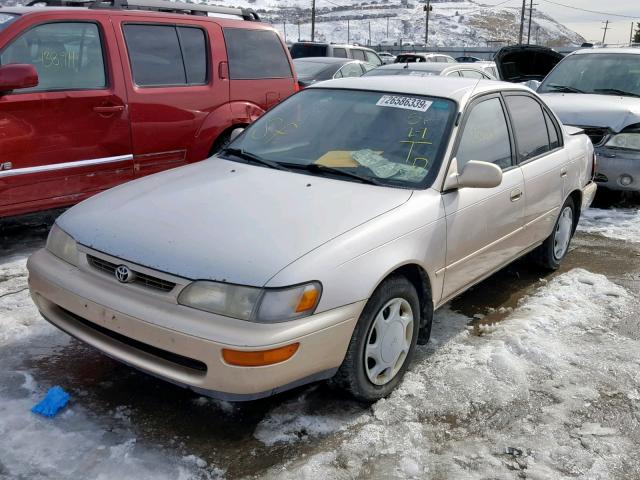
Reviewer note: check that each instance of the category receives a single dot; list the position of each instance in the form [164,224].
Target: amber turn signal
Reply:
[243,358]
[308,299]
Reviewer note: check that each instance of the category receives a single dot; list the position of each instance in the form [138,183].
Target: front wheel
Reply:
[555,247]
[383,342]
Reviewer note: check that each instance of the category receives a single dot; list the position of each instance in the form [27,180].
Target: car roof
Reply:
[583,51]
[325,60]
[220,18]
[457,89]
[418,66]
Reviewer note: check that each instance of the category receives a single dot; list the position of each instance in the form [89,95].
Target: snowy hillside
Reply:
[454,23]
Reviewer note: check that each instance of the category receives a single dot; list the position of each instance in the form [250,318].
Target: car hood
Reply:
[224,220]
[590,110]
[525,62]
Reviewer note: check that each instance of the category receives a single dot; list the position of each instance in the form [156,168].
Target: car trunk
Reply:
[521,63]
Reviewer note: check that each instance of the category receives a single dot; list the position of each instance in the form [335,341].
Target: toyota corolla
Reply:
[319,242]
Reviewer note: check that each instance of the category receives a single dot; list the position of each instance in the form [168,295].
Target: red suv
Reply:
[94,96]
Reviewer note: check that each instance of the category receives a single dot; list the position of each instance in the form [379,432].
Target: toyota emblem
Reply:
[124,274]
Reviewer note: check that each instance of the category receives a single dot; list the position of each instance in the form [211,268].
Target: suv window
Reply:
[340,52]
[357,54]
[485,136]
[530,128]
[372,58]
[255,54]
[166,55]
[67,56]
[300,50]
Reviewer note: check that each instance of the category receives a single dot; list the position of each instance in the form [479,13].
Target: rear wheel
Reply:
[555,247]
[383,342]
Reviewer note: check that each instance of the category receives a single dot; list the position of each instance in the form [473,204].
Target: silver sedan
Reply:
[319,242]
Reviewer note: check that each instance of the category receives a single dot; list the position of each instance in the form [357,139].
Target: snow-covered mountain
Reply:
[459,23]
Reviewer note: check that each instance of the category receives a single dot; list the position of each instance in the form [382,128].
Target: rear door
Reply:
[171,71]
[259,69]
[68,137]
[543,161]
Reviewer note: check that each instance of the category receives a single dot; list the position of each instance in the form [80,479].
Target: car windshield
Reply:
[309,69]
[390,139]
[6,19]
[600,73]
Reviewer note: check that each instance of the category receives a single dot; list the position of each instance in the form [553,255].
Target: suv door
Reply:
[171,87]
[68,137]
[484,225]
[543,161]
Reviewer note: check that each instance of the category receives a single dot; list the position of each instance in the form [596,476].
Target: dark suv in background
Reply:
[94,96]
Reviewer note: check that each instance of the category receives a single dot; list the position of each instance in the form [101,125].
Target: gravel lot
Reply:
[528,375]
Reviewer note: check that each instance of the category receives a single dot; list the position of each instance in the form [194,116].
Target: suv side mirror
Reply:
[476,174]
[235,133]
[15,76]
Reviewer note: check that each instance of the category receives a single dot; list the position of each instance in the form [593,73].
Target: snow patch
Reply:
[616,223]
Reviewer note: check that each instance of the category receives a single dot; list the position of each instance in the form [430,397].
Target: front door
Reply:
[484,225]
[68,137]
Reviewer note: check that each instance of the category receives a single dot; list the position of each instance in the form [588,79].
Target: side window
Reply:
[471,74]
[554,141]
[340,52]
[255,54]
[485,136]
[455,73]
[67,56]
[357,54]
[351,70]
[157,58]
[450,60]
[367,66]
[441,59]
[372,58]
[530,128]
[194,51]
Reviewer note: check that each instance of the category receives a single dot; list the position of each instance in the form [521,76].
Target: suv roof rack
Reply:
[155,5]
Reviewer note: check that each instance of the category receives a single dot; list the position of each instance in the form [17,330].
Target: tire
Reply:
[390,307]
[549,255]
[221,142]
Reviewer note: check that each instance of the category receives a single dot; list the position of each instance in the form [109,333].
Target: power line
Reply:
[590,11]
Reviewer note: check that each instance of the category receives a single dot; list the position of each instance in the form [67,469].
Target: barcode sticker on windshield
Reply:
[408,103]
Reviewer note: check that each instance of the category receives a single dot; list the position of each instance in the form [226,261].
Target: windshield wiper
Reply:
[239,152]
[319,168]
[565,88]
[615,91]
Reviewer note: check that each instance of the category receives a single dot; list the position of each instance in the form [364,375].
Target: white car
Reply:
[319,242]
[386,57]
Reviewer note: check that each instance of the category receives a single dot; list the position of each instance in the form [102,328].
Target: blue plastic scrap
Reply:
[52,403]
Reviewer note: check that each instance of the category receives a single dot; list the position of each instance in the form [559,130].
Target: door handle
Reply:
[563,172]
[516,195]
[109,109]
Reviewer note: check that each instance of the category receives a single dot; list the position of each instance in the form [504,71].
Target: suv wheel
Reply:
[383,342]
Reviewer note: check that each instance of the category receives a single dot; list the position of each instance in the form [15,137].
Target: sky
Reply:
[589,24]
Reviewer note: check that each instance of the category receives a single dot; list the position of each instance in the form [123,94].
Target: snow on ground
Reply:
[553,391]
[617,223]
[77,443]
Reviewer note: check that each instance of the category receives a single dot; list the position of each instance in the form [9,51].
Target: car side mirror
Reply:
[235,133]
[476,174]
[15,76]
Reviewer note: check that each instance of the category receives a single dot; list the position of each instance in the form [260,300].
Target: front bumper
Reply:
[181,344]
[614,165]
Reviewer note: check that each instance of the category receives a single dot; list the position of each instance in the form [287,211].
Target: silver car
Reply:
[319,242]
[599,91]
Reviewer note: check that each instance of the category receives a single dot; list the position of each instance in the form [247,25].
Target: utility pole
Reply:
[348,32]
[537,31]
[530,16]
[369,32]
[298,30]
[313,20]
[284,26]
[427,9]
[631,34]
[387,27]
[524,7]
[605,28]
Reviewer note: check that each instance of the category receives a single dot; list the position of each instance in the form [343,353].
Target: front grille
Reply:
[143,279]
[598,135]
[143,347]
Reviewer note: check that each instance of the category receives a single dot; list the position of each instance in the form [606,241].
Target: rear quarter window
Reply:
[255,54]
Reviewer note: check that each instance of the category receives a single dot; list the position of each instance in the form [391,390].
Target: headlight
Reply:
[252,304]
[62,245]
[629,141]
